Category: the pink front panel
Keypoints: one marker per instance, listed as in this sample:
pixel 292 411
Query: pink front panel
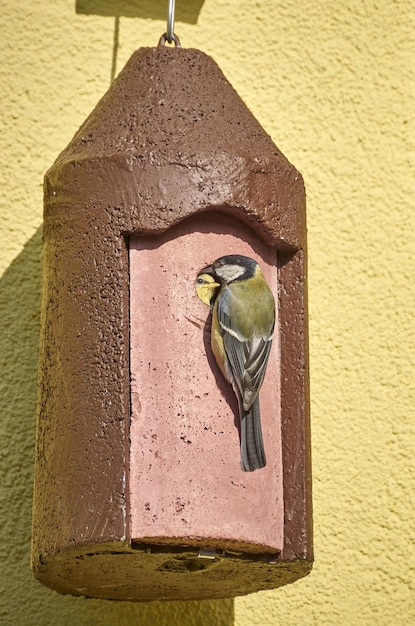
pixel 186 485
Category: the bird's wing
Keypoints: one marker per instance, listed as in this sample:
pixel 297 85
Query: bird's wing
pixel 247 358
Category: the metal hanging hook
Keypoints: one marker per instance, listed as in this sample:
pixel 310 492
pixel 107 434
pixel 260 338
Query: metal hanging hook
pixel 169 36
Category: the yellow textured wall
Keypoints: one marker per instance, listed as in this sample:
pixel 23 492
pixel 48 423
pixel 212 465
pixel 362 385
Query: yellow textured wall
pixel 333 83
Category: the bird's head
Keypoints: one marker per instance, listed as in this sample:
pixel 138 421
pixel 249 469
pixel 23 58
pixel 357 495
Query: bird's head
pixel 223 271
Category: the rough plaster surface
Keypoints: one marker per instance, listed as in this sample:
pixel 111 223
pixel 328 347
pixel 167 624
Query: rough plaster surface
pixel 334 86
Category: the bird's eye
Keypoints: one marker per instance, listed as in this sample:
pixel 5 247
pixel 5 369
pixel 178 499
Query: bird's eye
pixel 200 281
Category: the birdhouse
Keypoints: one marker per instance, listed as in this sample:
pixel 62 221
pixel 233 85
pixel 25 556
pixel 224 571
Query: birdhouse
pixel 139 493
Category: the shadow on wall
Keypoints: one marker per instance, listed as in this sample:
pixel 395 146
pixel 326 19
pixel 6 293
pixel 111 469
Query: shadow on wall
pixel 20 303
pixel 185 11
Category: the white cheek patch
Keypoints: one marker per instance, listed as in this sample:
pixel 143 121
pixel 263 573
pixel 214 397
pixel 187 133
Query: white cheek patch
pixel 230 272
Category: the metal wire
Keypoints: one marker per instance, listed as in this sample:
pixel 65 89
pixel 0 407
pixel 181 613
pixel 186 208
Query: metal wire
pixel 169 36
pixel 170 21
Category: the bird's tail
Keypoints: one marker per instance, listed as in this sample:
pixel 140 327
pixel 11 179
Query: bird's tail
pixel 252 445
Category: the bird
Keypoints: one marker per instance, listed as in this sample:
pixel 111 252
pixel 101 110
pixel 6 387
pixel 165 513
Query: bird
pixel 243 321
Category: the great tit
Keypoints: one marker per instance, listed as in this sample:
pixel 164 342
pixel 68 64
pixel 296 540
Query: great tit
pixel 243 319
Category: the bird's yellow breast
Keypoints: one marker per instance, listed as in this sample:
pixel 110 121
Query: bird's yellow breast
pixel 216 341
